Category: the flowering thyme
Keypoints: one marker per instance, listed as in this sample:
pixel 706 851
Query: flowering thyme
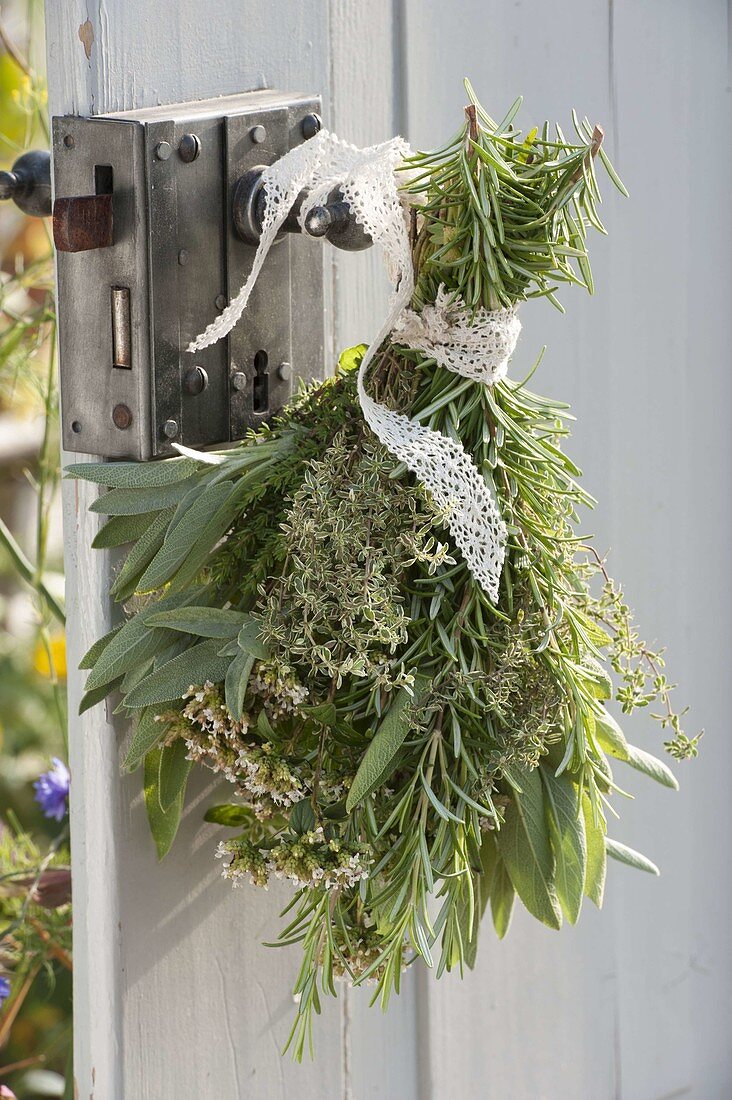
pixel 280 689
pixel 308 860
pixel 213 737
pixel 351 533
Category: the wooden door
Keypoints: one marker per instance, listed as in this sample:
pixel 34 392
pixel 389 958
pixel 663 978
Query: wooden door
pixel 174 995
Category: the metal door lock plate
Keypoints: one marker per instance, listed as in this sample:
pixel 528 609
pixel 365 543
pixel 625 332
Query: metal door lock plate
pixel 147 195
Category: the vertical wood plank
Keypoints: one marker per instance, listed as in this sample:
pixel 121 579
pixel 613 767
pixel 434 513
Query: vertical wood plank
pixel 366 60
pixel 634 1002
pixel 364 53
pixel 175 995
pixel 672 283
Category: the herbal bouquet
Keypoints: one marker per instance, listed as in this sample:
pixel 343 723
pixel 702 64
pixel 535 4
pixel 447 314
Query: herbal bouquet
pixel 375 617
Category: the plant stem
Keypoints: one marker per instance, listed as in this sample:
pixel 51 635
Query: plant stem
pixel 28 573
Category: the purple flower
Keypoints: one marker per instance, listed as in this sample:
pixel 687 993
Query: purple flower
pixel 4 989
pixel 52 790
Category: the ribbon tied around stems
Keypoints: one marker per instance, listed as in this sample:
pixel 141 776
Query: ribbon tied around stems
pixel 474 344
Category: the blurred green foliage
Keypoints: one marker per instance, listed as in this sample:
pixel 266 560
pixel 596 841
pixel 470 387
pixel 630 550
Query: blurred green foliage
pixel 34 938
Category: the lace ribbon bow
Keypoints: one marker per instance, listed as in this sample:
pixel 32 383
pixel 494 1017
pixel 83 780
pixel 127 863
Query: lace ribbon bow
pixel 476 345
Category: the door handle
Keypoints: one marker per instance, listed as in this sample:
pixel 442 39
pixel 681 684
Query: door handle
pixel 334 220
pixel 80 222
pixel 28 183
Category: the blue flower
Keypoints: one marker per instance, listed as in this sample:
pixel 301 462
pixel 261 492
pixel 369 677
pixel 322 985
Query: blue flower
pixel 4 989
pixel 52 790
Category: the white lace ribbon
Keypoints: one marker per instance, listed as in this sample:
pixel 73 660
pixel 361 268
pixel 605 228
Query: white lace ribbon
pixel 476 345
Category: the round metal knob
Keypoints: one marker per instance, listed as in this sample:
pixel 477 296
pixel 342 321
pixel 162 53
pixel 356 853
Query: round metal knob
pixel 335 222
pixel 28 184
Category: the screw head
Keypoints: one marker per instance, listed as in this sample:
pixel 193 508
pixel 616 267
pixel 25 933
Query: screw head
pixel 310 126
pixel 284 372
pixel 258 134
pixel 189 147
pixel 170 429
pixel 163 150
pixel 195 381
pixel 69 141
pixel 239 380
pixel 76 426
pixel 122 417
pixel 220 302
pixel 183 257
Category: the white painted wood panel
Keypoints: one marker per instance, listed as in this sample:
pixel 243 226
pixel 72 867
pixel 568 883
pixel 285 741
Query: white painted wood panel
pixel 635 1003
pixel 175 995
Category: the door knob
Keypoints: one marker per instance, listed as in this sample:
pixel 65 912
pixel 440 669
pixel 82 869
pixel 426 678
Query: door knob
pixel 80 222
pixel 28 183
pixel 334 220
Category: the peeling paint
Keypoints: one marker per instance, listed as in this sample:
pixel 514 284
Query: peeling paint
pixel 86 36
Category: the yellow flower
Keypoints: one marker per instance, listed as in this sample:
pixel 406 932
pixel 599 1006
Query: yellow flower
pixel 58 656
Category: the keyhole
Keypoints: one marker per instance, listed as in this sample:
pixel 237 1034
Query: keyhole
pixel 260 390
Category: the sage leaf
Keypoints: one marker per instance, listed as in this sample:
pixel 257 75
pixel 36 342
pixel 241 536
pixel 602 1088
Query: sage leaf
pixel 380 757
pixel 163 824
pixel 133 676
pixel 609 734
pixel 597 678
pixel 133 644
pixel 173 774
pixel 264 726
pixel 207 542
pixel 132 502
pixel 170 682
pixel 133 475
pixel 623 854
pixel 147 734
pixel 612 740
pixel 228 814
pixel 567 832
pixel 141 555
pixel 206 622
pixel 523 841
pixel 120 530
pixel 90 698
pixel 595 869
pixel 502 898
pixel 302 817
pixel 249 640
pixel 644 762
pixel 192 528
pixel 236 682
pixel 95 651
